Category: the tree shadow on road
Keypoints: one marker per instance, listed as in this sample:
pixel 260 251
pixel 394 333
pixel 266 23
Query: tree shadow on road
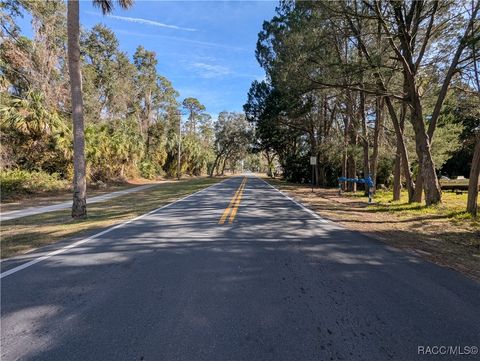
pixel 273 285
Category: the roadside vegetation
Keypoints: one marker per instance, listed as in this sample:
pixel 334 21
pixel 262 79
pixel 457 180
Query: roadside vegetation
pixel 130 118
pixel 23 234
pixel 445 233
pixel 383 88
pixel 17 182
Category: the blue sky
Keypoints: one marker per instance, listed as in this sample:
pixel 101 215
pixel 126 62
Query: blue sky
pixel 206 48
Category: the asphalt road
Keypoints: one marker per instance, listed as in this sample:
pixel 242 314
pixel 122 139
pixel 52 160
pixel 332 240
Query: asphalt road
pixel 278 283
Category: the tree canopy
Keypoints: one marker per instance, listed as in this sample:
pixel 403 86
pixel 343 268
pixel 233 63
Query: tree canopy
pixel 132 112
pixel 368 87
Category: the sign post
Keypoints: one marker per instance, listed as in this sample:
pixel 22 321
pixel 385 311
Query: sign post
pixel 313 163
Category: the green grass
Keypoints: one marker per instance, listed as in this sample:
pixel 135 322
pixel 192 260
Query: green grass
pixel 23 234
pixel 452 207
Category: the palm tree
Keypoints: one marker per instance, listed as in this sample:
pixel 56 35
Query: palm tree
pixel 79 207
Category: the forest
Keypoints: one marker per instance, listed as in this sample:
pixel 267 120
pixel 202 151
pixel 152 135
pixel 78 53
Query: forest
pixel 383 88
pixel 132 114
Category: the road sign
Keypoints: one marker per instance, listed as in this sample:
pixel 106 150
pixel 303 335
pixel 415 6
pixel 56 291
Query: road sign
pixel 313 160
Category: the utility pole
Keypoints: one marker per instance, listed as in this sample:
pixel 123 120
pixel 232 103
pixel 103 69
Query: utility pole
pixel 313 163
pixel 179 142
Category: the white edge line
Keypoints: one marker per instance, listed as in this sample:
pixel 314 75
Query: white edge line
pixel 85 240
pixel 309 211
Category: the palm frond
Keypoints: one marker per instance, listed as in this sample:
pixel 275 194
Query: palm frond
pixel 125 4
pixel 107 5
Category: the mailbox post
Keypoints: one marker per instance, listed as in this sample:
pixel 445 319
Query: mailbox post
pixel 367 181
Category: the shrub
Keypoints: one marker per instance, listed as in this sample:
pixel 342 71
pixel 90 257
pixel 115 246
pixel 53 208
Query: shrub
pixel 18 181
pixel 148 169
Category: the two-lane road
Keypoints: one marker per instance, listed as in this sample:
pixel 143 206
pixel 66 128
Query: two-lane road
pixel 269 282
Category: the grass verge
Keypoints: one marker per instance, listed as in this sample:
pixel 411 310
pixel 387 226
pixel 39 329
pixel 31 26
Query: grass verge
pixel 20 200
pixel 444 234
pixel 23 234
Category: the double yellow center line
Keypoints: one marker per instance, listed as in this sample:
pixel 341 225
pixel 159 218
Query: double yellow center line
pixel 234 203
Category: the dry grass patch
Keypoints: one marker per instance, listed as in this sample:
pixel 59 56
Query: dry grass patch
pixel 14 202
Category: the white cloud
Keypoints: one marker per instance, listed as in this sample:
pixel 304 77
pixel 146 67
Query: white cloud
pixel 205 70
pixel 190 41
pixel 214 99
pixel 146 22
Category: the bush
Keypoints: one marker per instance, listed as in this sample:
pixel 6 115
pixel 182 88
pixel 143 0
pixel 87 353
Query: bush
pixel 148 169
pixel 18 181
pixel 296 168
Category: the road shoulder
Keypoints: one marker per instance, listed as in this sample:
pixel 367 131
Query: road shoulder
pixel 435 238
pixel 25 234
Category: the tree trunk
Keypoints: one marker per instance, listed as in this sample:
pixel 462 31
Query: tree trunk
pixel 418 194
pixel 351 162
pixel 352 173
pixel 219 164
pixel 79 207
pixel 433 194
pixel 122 171
pixel 377 140
pixel 345 152
pixel 443 91
pixel 344 167
pixel 214 165
pixel 270 171
pixel 321 171
pixel 431 186
pixel 397 175
pixel 474 179
pixel 353 139
pixel 398 126
pixel 366 155
pixel 224 165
